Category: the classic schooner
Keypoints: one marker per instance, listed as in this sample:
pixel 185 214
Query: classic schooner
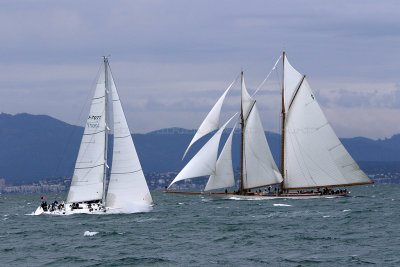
pixel 312 156
pixel 127 188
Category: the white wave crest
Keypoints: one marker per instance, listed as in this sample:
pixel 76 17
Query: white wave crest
pixel 282 205
pixel 88 233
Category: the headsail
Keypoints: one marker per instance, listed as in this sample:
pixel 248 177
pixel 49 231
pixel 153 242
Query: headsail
pixel 127 185
pixel 211 122
pixel 314 155
pixel 223 176
pixel 204 162
pixel 87 180
pixel 259 166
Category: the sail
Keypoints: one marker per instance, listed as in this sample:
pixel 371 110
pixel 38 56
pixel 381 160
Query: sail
pixel 211 122
pixel 292 79
pixel 204 162
pixel 314 155
pixel 223 176
pixel 260 167
pixel 247 101
pixel 127 187
pixel 87 180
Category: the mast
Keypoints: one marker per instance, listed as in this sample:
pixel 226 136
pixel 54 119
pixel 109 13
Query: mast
pixel 106 132
pixel 283 123
pixel 242 139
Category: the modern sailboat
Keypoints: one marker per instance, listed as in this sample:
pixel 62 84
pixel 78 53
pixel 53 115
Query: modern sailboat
pixel 313 160
pixel 127 188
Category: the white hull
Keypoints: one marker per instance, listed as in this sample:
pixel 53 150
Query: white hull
pixel 261 197
pixel 84 208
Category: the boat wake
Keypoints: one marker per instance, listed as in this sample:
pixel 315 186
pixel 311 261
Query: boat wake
pixel 129 210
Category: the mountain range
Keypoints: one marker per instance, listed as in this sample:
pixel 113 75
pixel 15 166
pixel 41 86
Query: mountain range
pixel 37 147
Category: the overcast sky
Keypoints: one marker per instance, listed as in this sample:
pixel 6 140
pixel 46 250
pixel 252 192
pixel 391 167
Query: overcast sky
pixel 173 59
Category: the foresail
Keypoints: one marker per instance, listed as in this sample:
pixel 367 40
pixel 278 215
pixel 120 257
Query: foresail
pixel 223 177
pixel 87 180
pixel 204 162
pixel 315 157
pixel 211 122
pixel 127 188
pixel 260 168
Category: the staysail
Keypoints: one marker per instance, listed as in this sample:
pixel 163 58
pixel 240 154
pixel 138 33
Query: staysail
pixel 127 185
pixel 259 166
pixel 314 155
pixel 211 122
pixel 87 180
pixel 204 162
pixel 224 176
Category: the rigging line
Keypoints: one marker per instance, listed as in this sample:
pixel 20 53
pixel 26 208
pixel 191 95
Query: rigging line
pixel 77 122
pixel 263 82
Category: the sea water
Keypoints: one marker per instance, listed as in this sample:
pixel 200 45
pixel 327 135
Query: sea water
pixel 198 230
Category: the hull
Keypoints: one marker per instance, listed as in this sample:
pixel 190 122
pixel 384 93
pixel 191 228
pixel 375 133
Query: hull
pixel 69 208
pixel 264 195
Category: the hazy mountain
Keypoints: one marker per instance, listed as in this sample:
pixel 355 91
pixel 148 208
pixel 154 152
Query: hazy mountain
pixel 33 147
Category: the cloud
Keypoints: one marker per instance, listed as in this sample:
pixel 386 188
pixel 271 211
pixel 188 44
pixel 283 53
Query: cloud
pixel 173 59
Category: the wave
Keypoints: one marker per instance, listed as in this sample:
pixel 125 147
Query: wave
pixel 88 233
pixel 282 205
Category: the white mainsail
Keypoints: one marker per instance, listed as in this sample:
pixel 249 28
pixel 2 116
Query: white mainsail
pixel 314 155
pixel 211 122
pixel 223 176
pixel 204 162
pixel 127 187
pixel 259 166
pixel 87 180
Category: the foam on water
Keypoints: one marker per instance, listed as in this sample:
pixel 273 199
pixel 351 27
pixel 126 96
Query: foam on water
pixel 88 233
pixel 282 205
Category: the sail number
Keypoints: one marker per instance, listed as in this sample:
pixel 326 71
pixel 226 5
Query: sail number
pixel 92 117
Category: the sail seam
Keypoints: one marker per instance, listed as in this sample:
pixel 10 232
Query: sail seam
pixel 126 172
pixel 122 136
pixel 94 98
pixel 94 133
pixel 89 167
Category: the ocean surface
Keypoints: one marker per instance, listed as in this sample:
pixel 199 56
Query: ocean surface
pixel 197 230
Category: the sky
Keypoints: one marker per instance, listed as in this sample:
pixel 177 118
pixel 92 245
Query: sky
pixel 172 59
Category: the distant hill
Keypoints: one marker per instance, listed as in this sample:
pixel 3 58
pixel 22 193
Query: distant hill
pixel 34 147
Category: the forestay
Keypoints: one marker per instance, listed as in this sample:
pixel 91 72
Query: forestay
pixel 211 122
pixel 87 180
pixel 314 155
pixel 127 187
pixel 204 162
pixel 259 166
pixel 223 176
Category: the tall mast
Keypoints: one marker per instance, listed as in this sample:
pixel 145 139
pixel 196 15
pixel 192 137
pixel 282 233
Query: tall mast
pixel 242 138
pixel 283 123
pixel 106 132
